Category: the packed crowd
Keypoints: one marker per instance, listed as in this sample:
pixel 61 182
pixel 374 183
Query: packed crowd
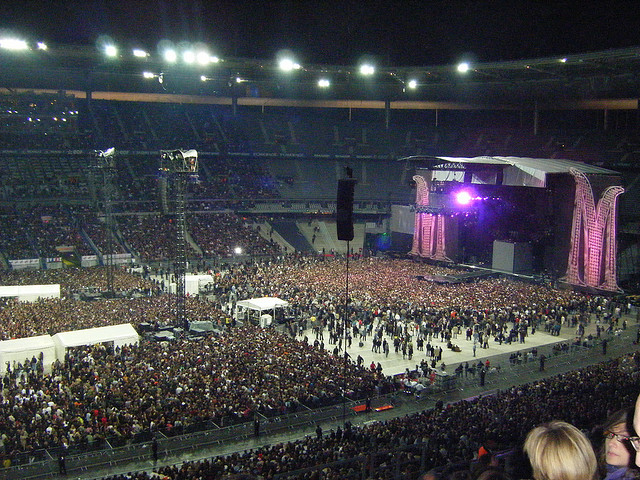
pixel 389 290
pixel 100 393
pixel 82 280
pixel 155 386
pixel 95 227
pixel 219 234
pixel 15 241
pixel 150 236
pixel 41 231
pixel 50 316
pixel 451 435
pixel 53 227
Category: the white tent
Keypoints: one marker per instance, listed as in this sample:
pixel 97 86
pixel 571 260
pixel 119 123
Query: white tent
pixel 30 293
pixel 119 335
pixel 21 348
pixel 259 305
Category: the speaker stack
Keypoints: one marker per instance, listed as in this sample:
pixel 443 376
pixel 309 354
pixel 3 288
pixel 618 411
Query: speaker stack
pixel 344 209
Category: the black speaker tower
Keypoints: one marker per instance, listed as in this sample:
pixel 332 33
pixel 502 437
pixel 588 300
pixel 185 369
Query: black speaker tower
pixel 344 209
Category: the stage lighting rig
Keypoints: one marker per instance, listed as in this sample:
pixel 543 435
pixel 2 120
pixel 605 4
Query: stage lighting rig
pixel 179 161
pixel 104 168
pixel 107 156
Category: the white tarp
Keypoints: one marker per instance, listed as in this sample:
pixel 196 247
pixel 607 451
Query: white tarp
pixel 120 335
pixel 20 349
pixel 30 293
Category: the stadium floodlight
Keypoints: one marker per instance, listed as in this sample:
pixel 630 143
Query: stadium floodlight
pixel 367 69
pixel 286 64
pixel 324 83
pixel 214 59
pixel 203 78
pixel 188 57
pixel 13 44
pixel 463 67
pixel 111 51
pixel 148 74
pixel 42 46
pixel 412 84
pixel 170 55
pixel 139 53
pixel 237 250
pixel 203 58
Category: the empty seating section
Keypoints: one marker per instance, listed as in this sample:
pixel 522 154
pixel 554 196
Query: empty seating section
pixel 58 122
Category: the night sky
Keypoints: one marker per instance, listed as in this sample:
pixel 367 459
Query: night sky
pixel 396 33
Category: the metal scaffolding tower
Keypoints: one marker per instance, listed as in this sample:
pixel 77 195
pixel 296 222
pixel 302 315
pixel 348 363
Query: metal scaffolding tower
pixel 104 162
pixel 178 165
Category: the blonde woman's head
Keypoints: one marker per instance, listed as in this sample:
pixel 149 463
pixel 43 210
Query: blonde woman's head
pixel 559 451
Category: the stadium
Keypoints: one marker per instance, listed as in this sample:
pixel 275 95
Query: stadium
pixel 218 266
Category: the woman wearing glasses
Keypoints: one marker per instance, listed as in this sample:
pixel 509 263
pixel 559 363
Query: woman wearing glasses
pixel 616 460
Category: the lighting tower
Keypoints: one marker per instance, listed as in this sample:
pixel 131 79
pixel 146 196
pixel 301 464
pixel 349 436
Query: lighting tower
pixel 104 161
pixel 180 164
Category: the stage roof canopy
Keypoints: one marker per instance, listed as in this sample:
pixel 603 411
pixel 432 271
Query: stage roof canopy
pixel 510 171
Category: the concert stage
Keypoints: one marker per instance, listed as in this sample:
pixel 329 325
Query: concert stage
pixel 519 215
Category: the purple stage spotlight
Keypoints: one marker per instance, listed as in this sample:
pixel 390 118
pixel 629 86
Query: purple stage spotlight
pixel 463 197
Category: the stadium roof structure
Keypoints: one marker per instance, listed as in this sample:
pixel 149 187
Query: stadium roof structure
pixel 610 74
pixel 509 171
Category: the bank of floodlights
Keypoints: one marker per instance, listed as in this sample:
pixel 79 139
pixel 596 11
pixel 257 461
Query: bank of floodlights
pixel 14 44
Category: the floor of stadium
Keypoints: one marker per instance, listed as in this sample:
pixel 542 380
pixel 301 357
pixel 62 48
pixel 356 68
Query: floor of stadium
pixel 507 375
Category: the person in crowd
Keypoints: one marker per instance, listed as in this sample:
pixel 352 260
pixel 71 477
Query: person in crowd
pixel 615 459
pixel 559 451
pixel 636 426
